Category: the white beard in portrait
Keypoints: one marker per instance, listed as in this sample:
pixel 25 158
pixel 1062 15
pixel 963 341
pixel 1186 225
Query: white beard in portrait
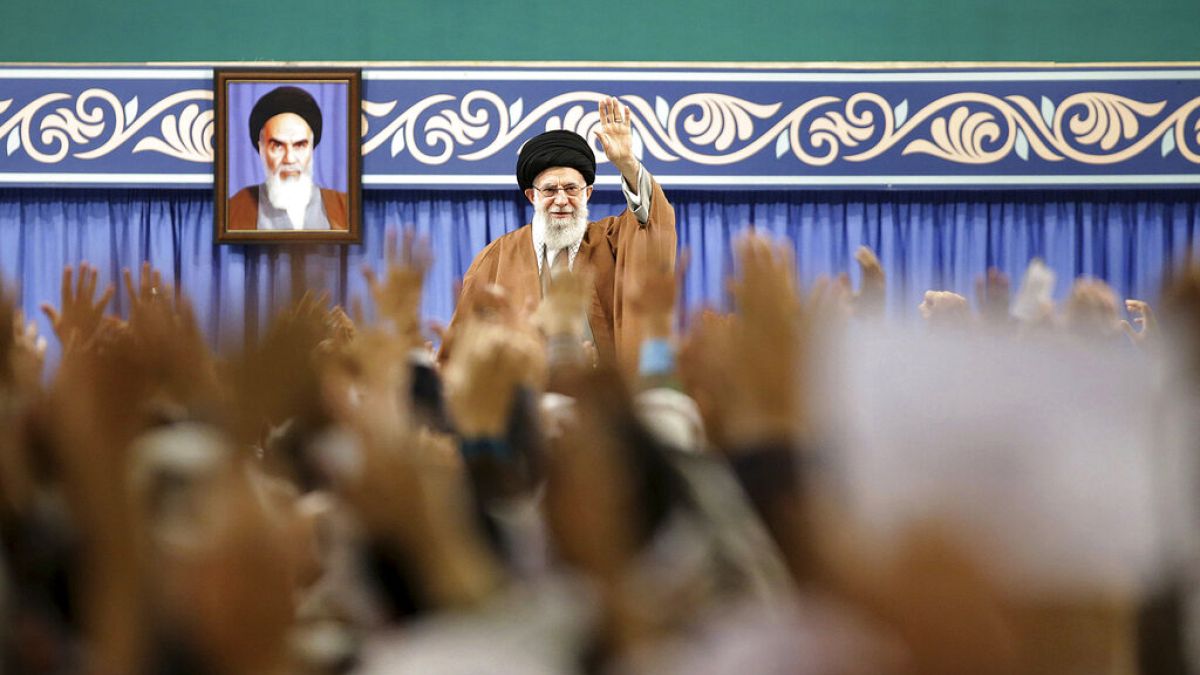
pixel 290 193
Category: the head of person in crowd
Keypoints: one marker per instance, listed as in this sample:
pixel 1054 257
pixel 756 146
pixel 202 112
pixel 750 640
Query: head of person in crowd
pixel 556 171
pixel 285 127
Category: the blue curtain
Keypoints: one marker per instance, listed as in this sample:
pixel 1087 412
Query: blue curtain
pixel 925 240
pixel 946 239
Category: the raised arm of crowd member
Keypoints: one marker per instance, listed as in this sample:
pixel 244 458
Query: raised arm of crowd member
pixel 397 299
pixel 706 371
pixel 22 354
pixel 561 318
pixel 872 294
pixel 150 288
pixel 96 414
pixel 1146 332
pixel 759 357
pixel 493 383
pixel 163 324
pixel 1090 312
pixel 652 301
pixel 945 310
pixel 103 400
pixel 993 297
pixel 398 296
pixel 27 356
pixel 768 344
pixel 408 488
pixel 555 171
pixel 79 315
pixel 482 379
pixel 610 493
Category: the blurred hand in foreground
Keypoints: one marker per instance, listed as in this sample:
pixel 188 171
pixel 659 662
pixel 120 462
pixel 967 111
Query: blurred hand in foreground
pixel 993 296
pixel 945 309
pixel 398 296
pixel 872 295
pixel 767 346
pixel 1091 310
pixel 656 288
pixel 1146 332
pixel 79 314
pixel 489 364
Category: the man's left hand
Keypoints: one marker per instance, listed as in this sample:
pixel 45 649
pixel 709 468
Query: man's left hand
pixel 616 135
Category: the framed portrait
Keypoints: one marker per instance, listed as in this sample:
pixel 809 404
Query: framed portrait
pixel 288 155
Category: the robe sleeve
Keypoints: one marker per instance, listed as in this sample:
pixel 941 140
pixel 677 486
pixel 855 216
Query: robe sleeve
pixel 637 204
pixel 627 233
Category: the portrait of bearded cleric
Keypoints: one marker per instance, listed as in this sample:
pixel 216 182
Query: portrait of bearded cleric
pixel 288 168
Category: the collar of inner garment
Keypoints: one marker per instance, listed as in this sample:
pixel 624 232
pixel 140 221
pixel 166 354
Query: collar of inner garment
pixel 544 254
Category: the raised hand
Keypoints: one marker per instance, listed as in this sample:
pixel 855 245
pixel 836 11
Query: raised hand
pixel 870 298
pixel 28 354
pixel 232 587
pixel 167 339
pixel 706 370
pixel 563 309
pixel 20 369
pixel 767 341
pixel 398 296
pixel 945 309
pixel 992 294
pixel 98 408
pixel 1091 309
pixel 342 328
pixel 411 493
pixel 150 289
pixel 830 301
pixel 589 495
pixel 78 316
pixel 489 364
pixel 616 137
pixel 655 287
pixel 1146 332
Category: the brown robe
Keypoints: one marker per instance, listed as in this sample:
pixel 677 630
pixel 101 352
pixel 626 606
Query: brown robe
pixel 607 250
pixel 243 209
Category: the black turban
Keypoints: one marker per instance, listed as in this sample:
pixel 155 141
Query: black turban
pixel 552 149
pixel 285 100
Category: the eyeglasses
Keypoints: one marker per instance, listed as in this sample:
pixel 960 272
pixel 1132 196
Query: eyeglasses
pixel 553 190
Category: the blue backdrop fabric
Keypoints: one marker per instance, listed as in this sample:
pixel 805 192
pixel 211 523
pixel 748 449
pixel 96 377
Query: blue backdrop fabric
pixel 940 240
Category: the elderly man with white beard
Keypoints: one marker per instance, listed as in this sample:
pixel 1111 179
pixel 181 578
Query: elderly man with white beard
pixel 556 170
pixel 285 128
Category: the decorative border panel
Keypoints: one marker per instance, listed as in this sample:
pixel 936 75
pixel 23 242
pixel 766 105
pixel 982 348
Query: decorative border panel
pixel 744 127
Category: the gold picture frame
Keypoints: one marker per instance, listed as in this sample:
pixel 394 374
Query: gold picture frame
pixel 274 184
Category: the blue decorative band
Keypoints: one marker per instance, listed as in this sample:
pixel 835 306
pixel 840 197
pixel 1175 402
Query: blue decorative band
pixel 746 127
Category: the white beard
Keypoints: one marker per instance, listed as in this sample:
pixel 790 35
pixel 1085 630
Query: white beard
pixel 560 231
pixel 290 194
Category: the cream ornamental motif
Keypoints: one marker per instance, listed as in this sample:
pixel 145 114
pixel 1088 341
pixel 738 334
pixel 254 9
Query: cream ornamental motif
pixel 49 128
pixel 715 129
pixel 710 129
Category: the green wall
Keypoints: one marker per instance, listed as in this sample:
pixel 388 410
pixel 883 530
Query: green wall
pixel 673 30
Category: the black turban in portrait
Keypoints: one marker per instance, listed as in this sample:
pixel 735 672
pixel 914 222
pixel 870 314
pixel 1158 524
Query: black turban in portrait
pixel 285 100
pixel 555 148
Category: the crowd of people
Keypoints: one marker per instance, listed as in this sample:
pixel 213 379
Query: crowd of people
pixel 334 498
